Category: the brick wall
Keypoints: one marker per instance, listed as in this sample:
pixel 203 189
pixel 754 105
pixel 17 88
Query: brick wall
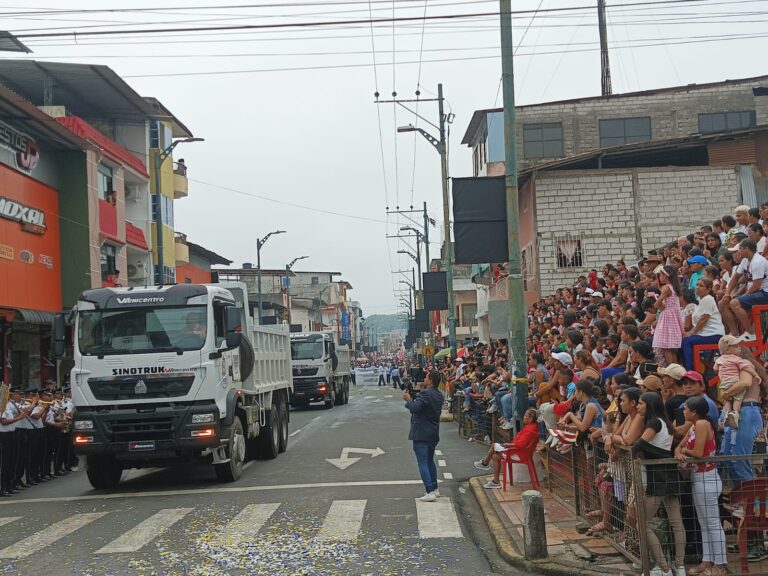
pixel 621 214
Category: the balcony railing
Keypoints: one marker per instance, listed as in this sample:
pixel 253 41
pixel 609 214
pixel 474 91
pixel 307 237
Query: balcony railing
pixel 182 250
pixel 180 182
pixel 108 219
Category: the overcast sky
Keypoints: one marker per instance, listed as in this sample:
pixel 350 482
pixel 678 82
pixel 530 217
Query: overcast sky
pixel 288 148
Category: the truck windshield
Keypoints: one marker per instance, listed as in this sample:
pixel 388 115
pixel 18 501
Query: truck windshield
pixel 303 350
pixel 141 330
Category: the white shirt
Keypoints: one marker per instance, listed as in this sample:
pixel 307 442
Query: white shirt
pixel 37 423
pixel 757 269
pixel 24 423
pixel 761 244
pixel 714 326
pixel 9 413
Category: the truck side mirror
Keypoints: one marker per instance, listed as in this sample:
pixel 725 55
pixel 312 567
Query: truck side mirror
pixel 331 348
pixel 59 336
pixel 233 326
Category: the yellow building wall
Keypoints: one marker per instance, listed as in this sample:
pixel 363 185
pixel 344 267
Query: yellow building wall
pixel 166 189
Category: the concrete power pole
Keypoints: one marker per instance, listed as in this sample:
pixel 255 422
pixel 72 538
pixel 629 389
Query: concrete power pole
pixel 517 310
pixel 605 65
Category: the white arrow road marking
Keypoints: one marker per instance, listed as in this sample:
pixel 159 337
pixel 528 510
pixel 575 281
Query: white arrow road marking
pixel 344 461
pixel 343 520
pixel 49 535
pixel 146 531
pixel 437 519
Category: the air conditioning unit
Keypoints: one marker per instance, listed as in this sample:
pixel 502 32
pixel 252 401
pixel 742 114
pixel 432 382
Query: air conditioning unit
pixel 137 272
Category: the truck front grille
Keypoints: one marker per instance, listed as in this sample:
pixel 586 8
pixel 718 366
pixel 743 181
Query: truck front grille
pixel 305 385
pixel 140 388
pixel 129 430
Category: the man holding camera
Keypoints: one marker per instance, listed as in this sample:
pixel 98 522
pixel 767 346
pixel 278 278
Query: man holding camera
pixel 425 406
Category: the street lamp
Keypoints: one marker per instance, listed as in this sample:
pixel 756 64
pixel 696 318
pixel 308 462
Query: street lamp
pixel 259 244
pixel 288 283
pixel 160 157
pixel 440 146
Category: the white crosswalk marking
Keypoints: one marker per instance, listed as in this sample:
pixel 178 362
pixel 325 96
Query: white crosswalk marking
pixel 343 520
pixel 144 532
pixel 49 535
pixel 8 519
pixel 249 521
pixel 438 519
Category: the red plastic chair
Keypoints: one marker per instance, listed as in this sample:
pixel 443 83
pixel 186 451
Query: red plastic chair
pixel 752 495
pixel 517 456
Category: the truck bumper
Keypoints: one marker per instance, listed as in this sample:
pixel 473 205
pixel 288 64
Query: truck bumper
pixel 146 433
pixel 309 390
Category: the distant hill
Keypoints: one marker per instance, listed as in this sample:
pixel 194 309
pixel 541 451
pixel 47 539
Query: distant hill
pixel 384 323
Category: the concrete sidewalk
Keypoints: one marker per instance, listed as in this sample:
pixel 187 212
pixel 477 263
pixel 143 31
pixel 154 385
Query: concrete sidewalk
pixel 569 551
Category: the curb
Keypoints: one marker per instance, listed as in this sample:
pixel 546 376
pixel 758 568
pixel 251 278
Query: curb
pixel 509 551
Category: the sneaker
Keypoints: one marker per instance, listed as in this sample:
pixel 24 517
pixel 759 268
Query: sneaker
pixel 747 337
pixel 756 553
pixel 492 409
pixel 491 485
pixel 657 571
pixel 480 466
pixel 428 497
pixel 507 425
pixel 732 419
pixel 679 571
pixel 436 492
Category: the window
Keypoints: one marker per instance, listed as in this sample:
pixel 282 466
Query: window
pixel 219 313
pixel 543 140
pixel 160 136
pixel 315 281
pixel 169 276
pixel 469 315
pixel 722 121
pixel 527 267
pixel 108 261
pixel 617 131
pixel 569 252
pixel 167 204
pixel 106 189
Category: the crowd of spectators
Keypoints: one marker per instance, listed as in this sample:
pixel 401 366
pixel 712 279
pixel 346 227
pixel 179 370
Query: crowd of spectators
pixel 611 361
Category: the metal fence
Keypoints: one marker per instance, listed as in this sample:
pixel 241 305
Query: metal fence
pixel 698 515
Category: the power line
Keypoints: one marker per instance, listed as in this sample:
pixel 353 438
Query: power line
pixel 285 203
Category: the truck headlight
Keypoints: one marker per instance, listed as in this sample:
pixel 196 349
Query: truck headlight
pixel 83 424
pixel 202 418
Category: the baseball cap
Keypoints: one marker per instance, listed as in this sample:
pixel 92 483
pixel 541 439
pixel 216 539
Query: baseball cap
pixel 673 371
pixel 693 375
pixel 653 383
pixel 734 248
pixel 597 295
pixel 563 358
pixel 726 342
pixel 698 260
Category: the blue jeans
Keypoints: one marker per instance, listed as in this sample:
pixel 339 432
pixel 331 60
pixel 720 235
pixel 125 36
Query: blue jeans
pixel 425 458
pixel 508 406
pixel 750 424
pixel 695 340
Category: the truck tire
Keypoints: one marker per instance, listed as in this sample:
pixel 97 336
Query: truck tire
pixel 268 441
pixel 340 394
pixel 235 450
pixel 283 441
pixel 246 359
pixel 330 399
pixel 346 390
pixel 103 472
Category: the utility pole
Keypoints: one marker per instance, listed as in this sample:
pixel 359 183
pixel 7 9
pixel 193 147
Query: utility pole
pixel 605 65
pixel 447 214
pixel 516 309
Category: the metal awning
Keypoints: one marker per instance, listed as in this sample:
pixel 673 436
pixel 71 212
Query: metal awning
pixel 37 317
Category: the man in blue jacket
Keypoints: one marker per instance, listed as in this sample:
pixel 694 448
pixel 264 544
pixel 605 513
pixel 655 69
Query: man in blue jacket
pixel 425 411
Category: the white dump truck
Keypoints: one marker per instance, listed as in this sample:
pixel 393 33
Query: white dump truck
pixel 320 369
pixel 171 374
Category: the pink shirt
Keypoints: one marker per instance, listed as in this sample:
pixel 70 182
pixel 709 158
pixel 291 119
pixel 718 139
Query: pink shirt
pixel 728 366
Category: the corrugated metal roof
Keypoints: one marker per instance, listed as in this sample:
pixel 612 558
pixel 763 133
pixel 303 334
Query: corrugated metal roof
pixel 37 317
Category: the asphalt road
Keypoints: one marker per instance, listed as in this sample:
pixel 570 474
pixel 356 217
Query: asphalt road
pixel 296 515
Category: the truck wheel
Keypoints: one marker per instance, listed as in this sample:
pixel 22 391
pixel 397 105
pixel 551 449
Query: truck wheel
pixel 340 395
pixel 269 435
pixel 235 450
pixel 346 391
pixel 330 400
pixel 103 472
pixel 283 442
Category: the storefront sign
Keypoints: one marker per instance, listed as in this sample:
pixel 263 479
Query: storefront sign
pixel 31 220
pixel 6 252
pixel 24 147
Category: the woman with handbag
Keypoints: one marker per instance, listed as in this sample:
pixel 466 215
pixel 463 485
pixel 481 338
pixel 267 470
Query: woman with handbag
pixel 699 442
pixel 662 482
